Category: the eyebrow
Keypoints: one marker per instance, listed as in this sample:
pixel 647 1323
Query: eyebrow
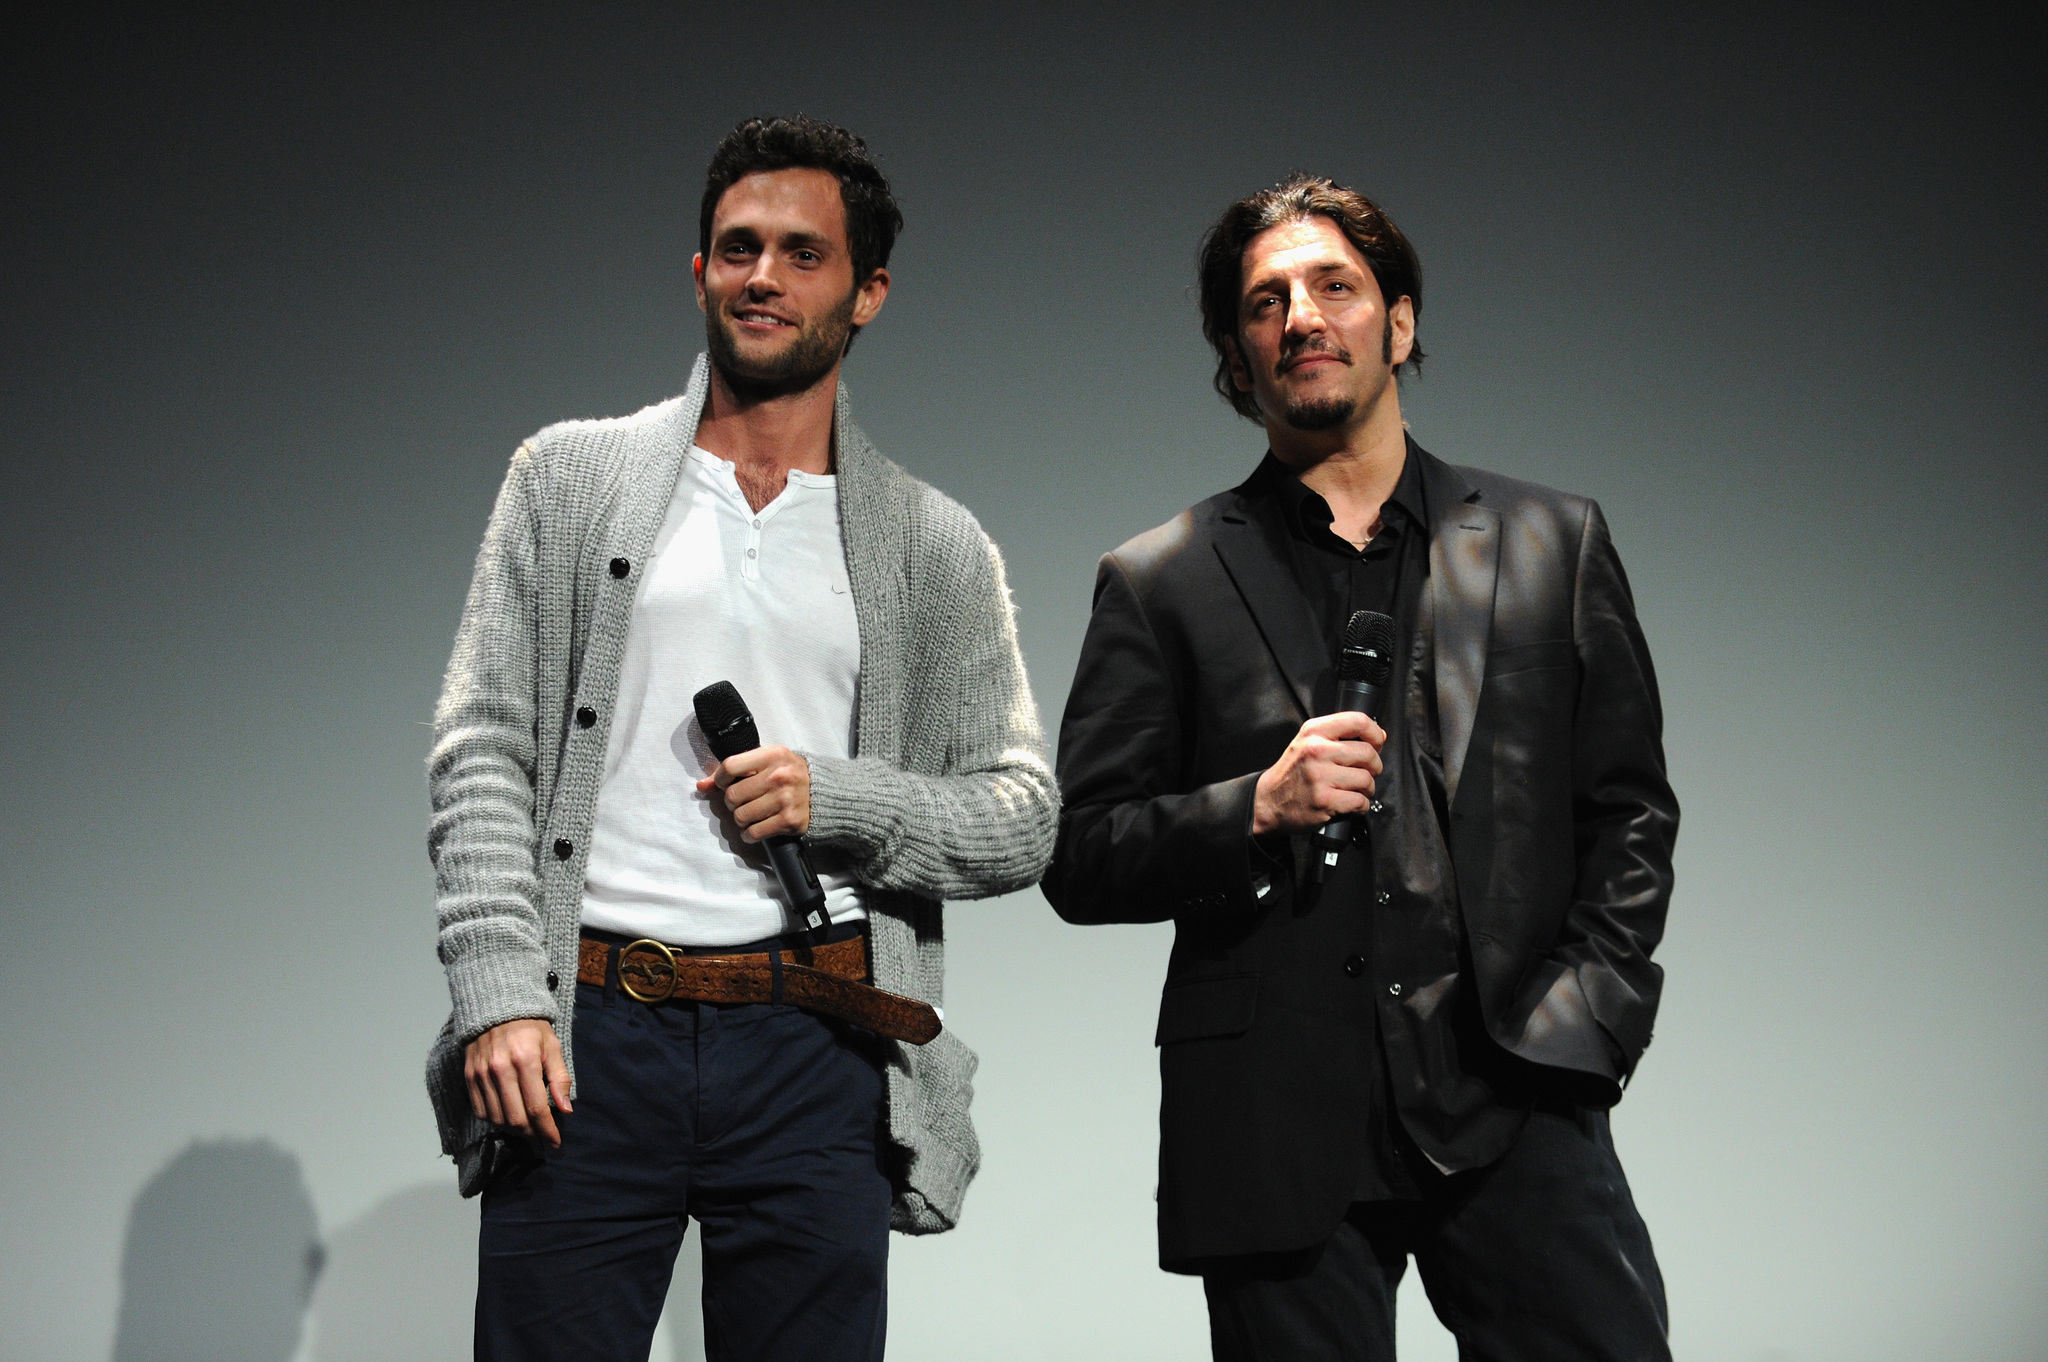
pixel 1266 281
pixel 741 231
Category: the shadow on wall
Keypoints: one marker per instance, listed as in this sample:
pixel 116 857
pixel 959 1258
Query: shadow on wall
pixel 400 1285
pixel 223 1256
pixel 400 1281
pixel 222 1252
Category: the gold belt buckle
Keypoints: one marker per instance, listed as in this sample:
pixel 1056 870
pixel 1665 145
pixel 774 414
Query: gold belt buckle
pixel 647 970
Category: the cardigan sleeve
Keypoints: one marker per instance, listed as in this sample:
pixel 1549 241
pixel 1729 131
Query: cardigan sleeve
pixel 480 779
pixel 984 825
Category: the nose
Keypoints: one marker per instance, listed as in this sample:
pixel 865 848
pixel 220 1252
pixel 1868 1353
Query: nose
pixel 1304 318
pixel 762 281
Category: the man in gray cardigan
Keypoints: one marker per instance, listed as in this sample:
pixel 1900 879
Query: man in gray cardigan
pixel 611 931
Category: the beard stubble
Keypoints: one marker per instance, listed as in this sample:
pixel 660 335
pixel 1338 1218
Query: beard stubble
pixel 816 347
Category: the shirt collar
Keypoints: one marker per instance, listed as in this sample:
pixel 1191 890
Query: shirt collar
pixel 1308 515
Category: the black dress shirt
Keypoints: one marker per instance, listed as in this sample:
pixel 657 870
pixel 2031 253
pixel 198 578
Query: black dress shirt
pixel 1337 578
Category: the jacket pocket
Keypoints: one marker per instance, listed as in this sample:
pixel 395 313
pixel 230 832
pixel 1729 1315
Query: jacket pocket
pixel 1216 1005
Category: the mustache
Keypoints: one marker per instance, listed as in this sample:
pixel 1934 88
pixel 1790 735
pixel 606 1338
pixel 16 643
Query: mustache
pixel 1293 355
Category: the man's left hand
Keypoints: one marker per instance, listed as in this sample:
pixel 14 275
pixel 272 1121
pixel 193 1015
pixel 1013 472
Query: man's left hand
pixel 768 790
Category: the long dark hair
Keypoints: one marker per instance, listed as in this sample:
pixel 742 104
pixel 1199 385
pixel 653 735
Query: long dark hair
pixel 1220 265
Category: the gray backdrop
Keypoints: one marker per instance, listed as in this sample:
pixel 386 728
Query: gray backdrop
pixel 283 294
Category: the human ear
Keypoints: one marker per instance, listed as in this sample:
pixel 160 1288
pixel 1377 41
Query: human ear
pixel 1401 321
pixel 870 296
pixel 1240 375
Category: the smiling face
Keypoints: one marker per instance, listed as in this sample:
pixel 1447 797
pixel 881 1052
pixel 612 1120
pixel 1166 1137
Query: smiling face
pixel 777 290
pixel 1316 343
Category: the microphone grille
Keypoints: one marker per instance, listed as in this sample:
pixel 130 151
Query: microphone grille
pixel 727 722
pixel 1368 653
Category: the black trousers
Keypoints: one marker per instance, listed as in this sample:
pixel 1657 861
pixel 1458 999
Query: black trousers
pixel 761 1123
pixel 1540 1257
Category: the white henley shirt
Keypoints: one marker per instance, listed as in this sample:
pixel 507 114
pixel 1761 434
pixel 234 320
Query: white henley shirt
pixel 757 598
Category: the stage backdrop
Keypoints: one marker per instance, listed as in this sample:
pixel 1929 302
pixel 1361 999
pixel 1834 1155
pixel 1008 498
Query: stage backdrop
pixel 282 295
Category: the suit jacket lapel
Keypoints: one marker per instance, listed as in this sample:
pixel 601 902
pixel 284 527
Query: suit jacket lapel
pixel 1252 543
pixel 1464 565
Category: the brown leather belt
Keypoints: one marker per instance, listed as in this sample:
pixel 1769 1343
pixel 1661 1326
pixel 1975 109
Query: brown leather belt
pixel 830 980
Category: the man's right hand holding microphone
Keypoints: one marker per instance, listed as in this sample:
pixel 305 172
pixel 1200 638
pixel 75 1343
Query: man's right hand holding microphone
pixel 1326 772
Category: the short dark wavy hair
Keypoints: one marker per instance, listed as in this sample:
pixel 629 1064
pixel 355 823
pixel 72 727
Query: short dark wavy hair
pixel 1220 264
pixel 801 143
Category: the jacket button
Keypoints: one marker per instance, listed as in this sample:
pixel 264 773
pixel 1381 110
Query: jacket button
pixel 1355 966
pixel 554 981
pixel 564 848
pixel 620 567
pixel 1383 896
pixel 1394 989
pixel 1378 807
pixel 585 716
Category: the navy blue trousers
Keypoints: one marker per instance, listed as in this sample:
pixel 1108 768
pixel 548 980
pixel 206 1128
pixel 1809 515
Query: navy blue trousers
pixel 761 1123
pixel 1539 1257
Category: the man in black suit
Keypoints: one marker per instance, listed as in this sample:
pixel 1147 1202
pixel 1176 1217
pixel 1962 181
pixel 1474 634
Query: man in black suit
pixel 1414 1052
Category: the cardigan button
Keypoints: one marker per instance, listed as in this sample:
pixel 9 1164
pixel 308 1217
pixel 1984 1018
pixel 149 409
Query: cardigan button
pixel 564 848
pixel 585 716
pixel 620 567
pixel 554 981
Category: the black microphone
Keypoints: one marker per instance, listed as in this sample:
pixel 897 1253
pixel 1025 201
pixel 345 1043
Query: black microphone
pixel 729 727
pixel 1363 665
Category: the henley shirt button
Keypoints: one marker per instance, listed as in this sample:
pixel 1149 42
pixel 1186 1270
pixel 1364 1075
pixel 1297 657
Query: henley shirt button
pixel 752 553
pixel 554 981
pixel 620 567
pixel 1355 966
pixel 1394 989
pixel 585 716
pixel 564 848
pixel 1383 896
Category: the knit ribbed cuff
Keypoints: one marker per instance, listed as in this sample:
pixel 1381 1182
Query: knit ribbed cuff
pixel 848 811
pixel 500 986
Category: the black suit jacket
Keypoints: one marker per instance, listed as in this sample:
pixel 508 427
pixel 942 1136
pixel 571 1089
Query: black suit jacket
pixel 1528 685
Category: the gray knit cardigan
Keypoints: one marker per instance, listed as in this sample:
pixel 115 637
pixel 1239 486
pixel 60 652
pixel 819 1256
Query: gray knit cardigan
pixel 948 793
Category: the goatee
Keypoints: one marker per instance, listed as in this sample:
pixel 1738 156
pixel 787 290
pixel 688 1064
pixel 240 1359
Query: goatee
pixel 1319 413
pixel 1316 413
pixel 806 359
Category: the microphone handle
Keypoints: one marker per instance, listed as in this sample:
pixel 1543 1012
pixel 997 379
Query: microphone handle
pixel 1362 696
pixel 799 882
pixel 1328 841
